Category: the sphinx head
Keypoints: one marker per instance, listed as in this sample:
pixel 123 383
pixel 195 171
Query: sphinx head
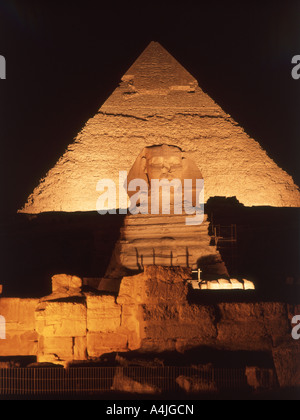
pixel 163 162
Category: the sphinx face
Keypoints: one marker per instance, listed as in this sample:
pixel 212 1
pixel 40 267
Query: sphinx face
pixel 164 162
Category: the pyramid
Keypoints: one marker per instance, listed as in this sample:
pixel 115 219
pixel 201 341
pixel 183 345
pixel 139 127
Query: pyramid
pixel 159 102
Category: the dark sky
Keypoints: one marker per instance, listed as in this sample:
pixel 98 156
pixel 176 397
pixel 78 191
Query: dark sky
pixel 64 58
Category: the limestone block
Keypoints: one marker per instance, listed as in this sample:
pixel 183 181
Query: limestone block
pixel 248 285
pixel 213 285
pixel 18 313
pixel 19 343
pixel 166 284
pixel 259 379
pixel 202 320
pixel 80 348
pixel 241 327
pixel 195 384
pixel 55 349
pixel 156 284
pixel 132 290
pixel 131 324
pixel 20 335
pixel 276 322
pixel 191 326
pixel 158 345
pixel 184 332
pixel 160 106
pixel 103 313
pixel 287 363
pixel 61 319
pixel 132 315
pixel 65 281
pixel 100 343
pixel 161 313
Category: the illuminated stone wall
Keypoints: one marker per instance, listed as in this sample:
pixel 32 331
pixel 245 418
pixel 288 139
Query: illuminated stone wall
pixel 151 313
pixel 159 102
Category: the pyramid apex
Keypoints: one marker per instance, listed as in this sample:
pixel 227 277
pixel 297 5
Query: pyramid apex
pixel 156 67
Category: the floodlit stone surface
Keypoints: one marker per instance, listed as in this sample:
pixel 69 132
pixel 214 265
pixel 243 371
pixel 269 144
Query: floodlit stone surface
pixel 61 319
pixel 158 102
pixel 151 314
pixel 21 337
pixel 55 349
pixel 237 285
pixel 103 314
pixel 65 282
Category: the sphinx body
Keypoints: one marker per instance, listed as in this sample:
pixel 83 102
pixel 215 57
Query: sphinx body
pixel 163 238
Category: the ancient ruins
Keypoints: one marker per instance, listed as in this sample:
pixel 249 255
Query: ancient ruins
pixel 158 124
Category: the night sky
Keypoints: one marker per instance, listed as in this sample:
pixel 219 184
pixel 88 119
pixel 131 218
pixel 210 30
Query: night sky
pixel 64 58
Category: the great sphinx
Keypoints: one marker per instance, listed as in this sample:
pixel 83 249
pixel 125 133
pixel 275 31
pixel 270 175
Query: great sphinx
pixel 171 235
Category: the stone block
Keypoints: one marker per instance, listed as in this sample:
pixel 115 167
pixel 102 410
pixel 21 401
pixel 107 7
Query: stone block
pixel 100 343
pixel 241 327
pixel 248 285
pixel 103 313
pixel 80 348
pixel 55 349
pixel 61 319
pixel 19 325
pixel 65 282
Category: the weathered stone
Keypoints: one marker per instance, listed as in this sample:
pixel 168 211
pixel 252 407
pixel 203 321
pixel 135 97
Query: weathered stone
pixel 259 379
pixel 287 363
pixel 241 327
pixel 65 282
pixel 55 350
pixel 80 348
pixel 103 313
pixel 131 325
pixel 19 343
pixel 148 317
pixel 61 319
pixel 276 322
pixel 194 384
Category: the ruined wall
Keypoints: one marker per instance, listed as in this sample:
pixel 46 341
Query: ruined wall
pixel 159 102
pixel 21 336
pixel 150 314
